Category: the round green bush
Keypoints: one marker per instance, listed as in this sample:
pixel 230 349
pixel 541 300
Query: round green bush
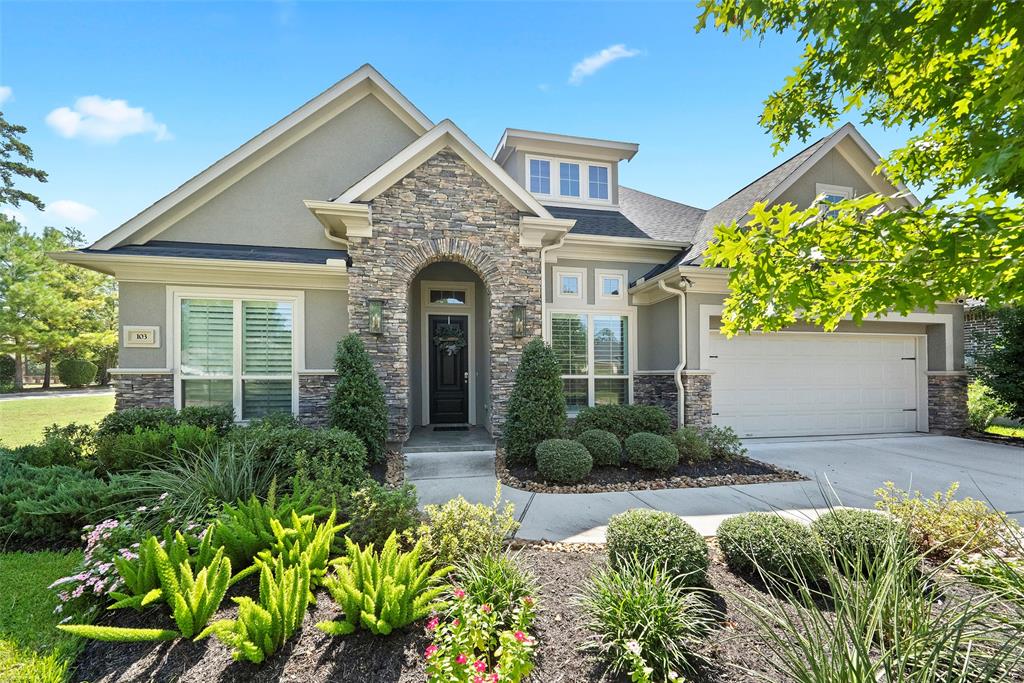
pixel 660 538
pixel 851 534
pixel 563 461
pixel 622 421
pixel 651 452
pixel 604 447
pixel 765 543
pixel 536 409
pixel 76 373
pixel 692 445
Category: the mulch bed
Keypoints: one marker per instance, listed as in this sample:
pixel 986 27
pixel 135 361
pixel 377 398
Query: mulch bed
pixel 631 478
pixel 994 438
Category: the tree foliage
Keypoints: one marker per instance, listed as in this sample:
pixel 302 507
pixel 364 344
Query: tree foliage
pixel 1001 365
pixel 953 72
pixel 15 156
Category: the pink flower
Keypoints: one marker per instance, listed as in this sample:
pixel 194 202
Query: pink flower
pixel 478 679
pixel 480 666
pixel 430 651
pixel 432 624
pixel 494 678
pixel 527 601
pixel 455 622
pixel 461 659
pixel 459 593
pixel 486 609
pixel 520 636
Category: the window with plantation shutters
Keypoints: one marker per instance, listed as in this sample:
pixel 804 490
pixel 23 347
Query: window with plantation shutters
pixel 593 356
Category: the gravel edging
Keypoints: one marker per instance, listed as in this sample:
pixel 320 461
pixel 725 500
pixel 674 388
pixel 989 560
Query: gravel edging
pixel 394 468
pixel 653 484
pixel 993 438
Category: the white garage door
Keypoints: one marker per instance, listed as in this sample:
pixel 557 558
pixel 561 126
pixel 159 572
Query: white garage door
pixel 813 384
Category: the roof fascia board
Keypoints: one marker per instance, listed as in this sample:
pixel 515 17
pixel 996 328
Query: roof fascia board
pixel 444 134
pixel 627 241
pixel 521 139
pixel 876 160
pixel 193 193
pixel 619 249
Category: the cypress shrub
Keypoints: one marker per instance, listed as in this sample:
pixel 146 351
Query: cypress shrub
pixel 358 405
pixel 536 409
pixel 76 373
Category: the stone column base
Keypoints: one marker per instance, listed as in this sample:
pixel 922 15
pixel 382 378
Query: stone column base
pixel 314 394
pixel 947 402
pixel 697 399
pixel 143 390
pixel 658 390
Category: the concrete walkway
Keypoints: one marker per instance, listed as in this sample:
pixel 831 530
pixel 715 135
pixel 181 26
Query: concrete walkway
pixel 842 472
pixel 58 393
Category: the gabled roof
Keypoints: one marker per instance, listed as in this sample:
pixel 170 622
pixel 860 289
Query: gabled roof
pixel 776 181
pixel 444 135
pixel 660 218
pixel 362 82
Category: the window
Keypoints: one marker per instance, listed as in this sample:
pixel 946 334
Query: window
pixel 569 179
pixel 453 297
pixel 830 194
pixel 598 182
pixel 570 284
pixel 611 286
pixel 237 352
pixel 540 176
pixel 593 356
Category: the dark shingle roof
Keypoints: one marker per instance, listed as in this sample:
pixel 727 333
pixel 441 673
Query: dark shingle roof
pixel 661 219
pixel 237 252
pixel 607 223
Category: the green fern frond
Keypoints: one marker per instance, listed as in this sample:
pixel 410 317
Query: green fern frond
pixel 116 634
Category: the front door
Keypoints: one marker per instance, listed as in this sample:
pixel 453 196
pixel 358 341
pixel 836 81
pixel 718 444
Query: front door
pixel 449 369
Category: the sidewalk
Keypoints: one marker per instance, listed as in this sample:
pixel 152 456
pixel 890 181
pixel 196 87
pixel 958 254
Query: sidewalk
pixel 58 393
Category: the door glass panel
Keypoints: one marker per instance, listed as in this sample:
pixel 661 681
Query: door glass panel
pixel 447 296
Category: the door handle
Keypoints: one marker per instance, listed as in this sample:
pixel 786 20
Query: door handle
pixel 465 375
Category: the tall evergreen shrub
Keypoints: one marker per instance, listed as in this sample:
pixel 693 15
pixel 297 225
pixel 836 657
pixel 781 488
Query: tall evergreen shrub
pixel 358 403
pixel 536 410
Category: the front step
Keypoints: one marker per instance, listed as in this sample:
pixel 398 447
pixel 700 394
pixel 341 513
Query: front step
pixel 449 464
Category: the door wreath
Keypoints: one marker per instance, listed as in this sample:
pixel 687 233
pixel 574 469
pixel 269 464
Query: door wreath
pixel 450 338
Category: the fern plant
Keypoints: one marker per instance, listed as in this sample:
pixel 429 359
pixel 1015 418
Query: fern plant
pixel 382 591
pixel 303 542
pixel 192 599
pixel 262 628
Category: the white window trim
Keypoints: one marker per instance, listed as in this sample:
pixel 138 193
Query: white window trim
pixel 556 180
pixel 599 295
pixel 236 295
pixel 529 177
pixel 580 274
pixel 631 351
pixel 427 309
pixel 841 190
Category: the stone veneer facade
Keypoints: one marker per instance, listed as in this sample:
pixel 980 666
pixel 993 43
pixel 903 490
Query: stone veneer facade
pixel 314 393
pixel 697 399
pixel 658 390
pixel 143 390
pixel 947 402
pixel 442 211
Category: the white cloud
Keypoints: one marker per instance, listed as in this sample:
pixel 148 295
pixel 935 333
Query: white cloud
pixel 69 210
pixel 5 93
pixel 595 62
pixel 98 119
pixel 13 215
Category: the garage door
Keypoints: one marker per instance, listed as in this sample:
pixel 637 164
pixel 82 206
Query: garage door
pixel 813 384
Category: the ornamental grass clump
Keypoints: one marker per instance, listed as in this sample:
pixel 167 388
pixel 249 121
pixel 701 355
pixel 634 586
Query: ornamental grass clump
pixel 649 623
pixel 498 580
pixel 769 546
pixel 658 538
pixel 604 447
pixel 563 461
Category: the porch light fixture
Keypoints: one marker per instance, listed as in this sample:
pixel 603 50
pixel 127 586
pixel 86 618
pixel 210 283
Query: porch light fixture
pixel 375 313
pixel 519 321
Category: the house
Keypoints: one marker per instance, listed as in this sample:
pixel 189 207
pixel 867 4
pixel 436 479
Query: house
pixel 356 213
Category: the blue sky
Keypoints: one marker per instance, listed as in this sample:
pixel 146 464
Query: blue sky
pixel 126 101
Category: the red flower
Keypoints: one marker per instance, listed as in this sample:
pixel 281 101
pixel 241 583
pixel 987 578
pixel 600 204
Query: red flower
pixel 430 651
pixel 432 624
pixel 461 659
pixel 486 609
pixel 520 636
pixel 480 666
pixel 459 593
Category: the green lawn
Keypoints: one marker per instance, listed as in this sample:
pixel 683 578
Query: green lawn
pixel 22 420
pixel 31 649
pixel 1006 431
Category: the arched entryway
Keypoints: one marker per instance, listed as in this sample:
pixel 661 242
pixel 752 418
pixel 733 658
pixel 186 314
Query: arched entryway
pixel 449 347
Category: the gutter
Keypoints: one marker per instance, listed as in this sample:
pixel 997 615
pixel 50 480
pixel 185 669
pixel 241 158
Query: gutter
pixel 544 281
pixel 678 374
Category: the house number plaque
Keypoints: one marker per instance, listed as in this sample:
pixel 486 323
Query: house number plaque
pixel 136 335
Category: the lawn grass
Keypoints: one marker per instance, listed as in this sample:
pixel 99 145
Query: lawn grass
pixel 31 649
pixel 1003 430
pixel 22 420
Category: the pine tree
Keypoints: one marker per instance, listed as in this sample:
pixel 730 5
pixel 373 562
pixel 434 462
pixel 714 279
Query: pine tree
pixel 536 410
pixel 358 403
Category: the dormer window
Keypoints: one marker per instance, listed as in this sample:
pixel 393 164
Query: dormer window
pixel 540 176
pixel 569 179
pixel 576 181
pixel 598 182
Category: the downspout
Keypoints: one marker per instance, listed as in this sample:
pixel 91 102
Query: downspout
pixel 544 281
pixel 682 345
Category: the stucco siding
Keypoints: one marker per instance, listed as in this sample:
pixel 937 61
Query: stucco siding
pixel 658 332
pixel 832 169
pixel 142 303
pixel 326 323
pixel 635 270
pixel 265 207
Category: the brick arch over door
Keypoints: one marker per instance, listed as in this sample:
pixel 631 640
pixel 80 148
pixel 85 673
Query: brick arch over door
pixel 442 211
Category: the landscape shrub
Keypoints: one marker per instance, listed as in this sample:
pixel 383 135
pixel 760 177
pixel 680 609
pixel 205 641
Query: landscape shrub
pixel 536 409
pixel 187 440
pixel 374 511
pixel 651 452
pixel 136 450
pixel 129 420
pixel 623 420
pixel 983 406
pixel 944 526
pixel 357 404
pixel 725 443
pixel 692 445
pixel 7 369
pixel 643 616
pixel 70 445
pixel 263 627
pixel 458 530
pixel 382 591
pixel 218 418
pixel 1000 362
pixel 563 461
pixel 332 459
pixel 604 447
pixel 74 372
pixel 498 580
pixel 770 546
pixel 660 538
pixel 860 535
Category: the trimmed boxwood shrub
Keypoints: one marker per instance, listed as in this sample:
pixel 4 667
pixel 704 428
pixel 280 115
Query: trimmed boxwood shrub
pixel 623 421
pixel 128 420
pixel 536 409
pixel 604 447
pixel 660 538
pixel 651 452
pixel 218 418
pixel 763 541
pixel 693 447
pixel 74 372
pixel 332 460
pixel 358 405
pixel 564 461
pixel 849 534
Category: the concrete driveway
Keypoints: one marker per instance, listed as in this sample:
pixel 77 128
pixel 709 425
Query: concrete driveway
pixel 842 471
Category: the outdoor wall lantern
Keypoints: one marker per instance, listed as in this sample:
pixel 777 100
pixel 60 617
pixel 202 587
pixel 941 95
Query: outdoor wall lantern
pixel 375 311
pixel 519 321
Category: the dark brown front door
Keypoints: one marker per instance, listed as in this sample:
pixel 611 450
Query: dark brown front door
pixel 449 369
